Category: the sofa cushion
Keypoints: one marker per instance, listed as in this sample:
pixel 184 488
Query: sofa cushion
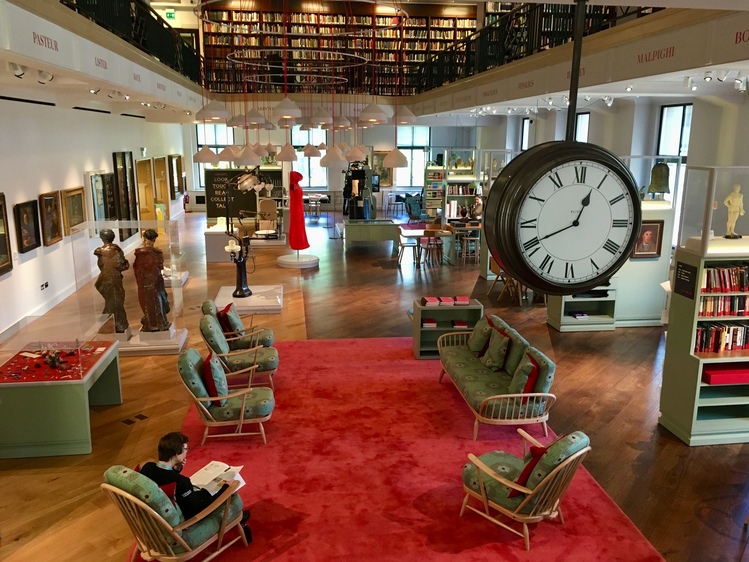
pixel 267 360
pixel 496 353
pixel 197 534
pixel 503 463
pixel 266 337
pixel 525 375
pixel 518 345
pixel 259 403
pixel 190 367
pixel 214 379
pixel 146 490
pixel 213 335
pixel 558 451
pixel 480 335
pixel 208 308
pixel 476 389
pixel 531 461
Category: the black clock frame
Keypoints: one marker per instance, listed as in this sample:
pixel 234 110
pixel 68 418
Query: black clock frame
pixel 509 190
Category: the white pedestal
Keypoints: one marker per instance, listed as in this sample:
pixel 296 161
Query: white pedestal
pixel 168 342
pixel 265 242
pixel 266 299
pixel 176 279
pixel 215 242
pixel 298 261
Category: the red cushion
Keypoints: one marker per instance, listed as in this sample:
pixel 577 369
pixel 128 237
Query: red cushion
pixel 223 319
pixel 530 384
pixel 536 454
pixel 208 381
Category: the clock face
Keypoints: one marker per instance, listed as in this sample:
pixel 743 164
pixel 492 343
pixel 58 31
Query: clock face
pixel 575 222
pixel 563 217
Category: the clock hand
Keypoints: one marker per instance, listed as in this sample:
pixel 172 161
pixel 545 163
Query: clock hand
pixel 558 231
pixel 585 203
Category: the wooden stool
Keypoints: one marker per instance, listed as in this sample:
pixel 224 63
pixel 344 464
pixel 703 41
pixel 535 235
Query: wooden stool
pixel 471 246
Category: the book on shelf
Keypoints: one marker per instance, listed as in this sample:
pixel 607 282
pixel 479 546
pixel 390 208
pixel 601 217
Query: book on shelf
pixel 428 323
pixel 430 301
pixel 462 301
pixel 213 475
pixel 460 324
pixel 578 314
pixel 447 301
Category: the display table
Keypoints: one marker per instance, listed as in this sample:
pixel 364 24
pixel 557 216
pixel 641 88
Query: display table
pixel 216 240
pixel 45 411
pixel 363 230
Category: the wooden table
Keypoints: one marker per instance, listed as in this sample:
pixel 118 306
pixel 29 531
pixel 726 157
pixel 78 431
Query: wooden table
pixel 46 418
pixel 419 233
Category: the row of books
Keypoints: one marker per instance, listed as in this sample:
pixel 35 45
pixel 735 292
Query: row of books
pixel 445 301
pixel 729 305
pixel 725 279
pixel 432 323
pixel 721 336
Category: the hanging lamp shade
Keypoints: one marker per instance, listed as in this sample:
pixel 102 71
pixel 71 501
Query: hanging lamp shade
pixel 364 124
pixel 270 148
pixel 268 126
pixel 327 126
pixel 287 109
pixel 227 154
pixel 286 154
pixel 405 116
pixel 236 121
pixel 333 159
pixel 214 111
pixel 341 122
pixel 311 151
pixel 321 117
pixel 254 117
pixel 343 147
pixel 322 146
pixel 205 156
pixel 247 158
pixel 355 155
pixel 259 149
pixel 395 159
pixel 284 123
pixel 373 113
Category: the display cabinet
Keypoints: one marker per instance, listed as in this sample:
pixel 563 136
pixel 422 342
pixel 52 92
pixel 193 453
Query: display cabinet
pixel 425 337
pixel 705 390
pixel 593 310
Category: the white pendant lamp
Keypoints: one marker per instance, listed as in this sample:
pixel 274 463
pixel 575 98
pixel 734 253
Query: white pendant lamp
pixel 268 126
pixel 205 156
pixel 227 154
pixel 270 148
pixel 254 117
pixel 395 159
pixel 321 117
pixel 237 121
pixel 311 151
pixel 284 123
pixel 259 149
pixel 287 109
pixel 247 158
pixel 214 111
pixel 333 159
pixel 405 116
pixel 343 147
pixel 373 113
pixel 355 155
pixel 286 154
pixel 341 122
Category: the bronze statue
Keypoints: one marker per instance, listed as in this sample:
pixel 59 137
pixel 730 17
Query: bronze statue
pixel 148 266
pixel 112 262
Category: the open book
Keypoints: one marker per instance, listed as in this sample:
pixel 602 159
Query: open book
pixel 213 475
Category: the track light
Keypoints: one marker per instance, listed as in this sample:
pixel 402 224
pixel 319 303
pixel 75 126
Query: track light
pixel 94 91
pixel 629 87
pixel 608 100
pixel 689 83
pixel 18 70
pixel 722 75
pixel 42 76
pixel 586 98
pixel 741 84
pixel 708 76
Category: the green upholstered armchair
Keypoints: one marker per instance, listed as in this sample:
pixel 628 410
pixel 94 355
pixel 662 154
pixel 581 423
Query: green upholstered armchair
pixel 413 208
pixel 235 362
pixel 235 327
pixel 160 529
pixel 528 489
pixel 217 406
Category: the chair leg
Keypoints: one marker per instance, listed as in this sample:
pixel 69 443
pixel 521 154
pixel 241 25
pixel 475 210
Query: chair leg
pixel 526 537
pixel 262 433
pixel 489 292
pixel 463 507
pixel 442 374
pixel 475 430
pixel 546 429
pixel 205 434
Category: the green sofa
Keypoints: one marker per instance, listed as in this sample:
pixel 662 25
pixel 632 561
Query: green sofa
pixel 503 379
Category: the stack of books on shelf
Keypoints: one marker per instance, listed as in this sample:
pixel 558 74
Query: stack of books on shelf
pixel 428 323
pixel 462 301
pixel 460 324
pixel 447 301
pixel 729 305
pixel 725 279
pixel 721 336
pixel 430 301
pixel 580 315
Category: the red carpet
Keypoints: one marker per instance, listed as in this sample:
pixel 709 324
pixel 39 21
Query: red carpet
pixel 363 462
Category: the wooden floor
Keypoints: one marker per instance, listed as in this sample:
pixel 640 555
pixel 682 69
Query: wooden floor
pixel 689 502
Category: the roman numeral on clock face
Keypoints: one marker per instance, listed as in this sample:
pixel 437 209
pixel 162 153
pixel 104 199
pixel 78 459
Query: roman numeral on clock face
pixel 580 174
pixel 533 242
pixel 556 180
pixel 620 223
pixel 568 270
pixel 530 223
pixel 616 199
pixel 546 264
pixel 610 246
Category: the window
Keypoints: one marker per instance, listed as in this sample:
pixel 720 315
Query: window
pixel 412 141
pixel 215 136
pixel 581 129
pixel 673 140
pixel 313 175
pixel 525 133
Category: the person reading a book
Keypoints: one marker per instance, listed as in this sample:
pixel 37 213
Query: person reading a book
pixel 191 500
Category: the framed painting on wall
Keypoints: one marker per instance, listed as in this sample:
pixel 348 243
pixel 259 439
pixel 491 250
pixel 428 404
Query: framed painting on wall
pixel 27 226
pixel 176 179
pixel 49 204
pixel 386 174
pixel 649 241
pixel 74 208
pixel 6 263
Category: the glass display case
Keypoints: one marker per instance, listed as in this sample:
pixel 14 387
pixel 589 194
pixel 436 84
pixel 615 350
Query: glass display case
pixel 491 163
pixel 150 319
pixel 712 220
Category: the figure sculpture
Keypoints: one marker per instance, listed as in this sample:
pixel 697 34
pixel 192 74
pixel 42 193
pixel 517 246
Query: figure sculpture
pixel 735 204
pixel 148 267
pixel 112 262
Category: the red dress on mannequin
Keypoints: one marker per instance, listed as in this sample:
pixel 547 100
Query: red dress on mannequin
pixel 297 228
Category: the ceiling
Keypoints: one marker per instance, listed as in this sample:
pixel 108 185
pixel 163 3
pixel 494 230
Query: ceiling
pixel 69 90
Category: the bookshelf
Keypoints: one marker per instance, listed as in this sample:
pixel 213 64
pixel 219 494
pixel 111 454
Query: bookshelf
pixel 592 311
pixel 355 31
pixel 425 338
pixel 705 338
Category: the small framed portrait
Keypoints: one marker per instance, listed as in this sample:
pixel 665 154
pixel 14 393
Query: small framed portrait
pixel 6 262
pixel 74 208
pixel 49 205
pixel 378 167
pixel 27 226
pixel 649 241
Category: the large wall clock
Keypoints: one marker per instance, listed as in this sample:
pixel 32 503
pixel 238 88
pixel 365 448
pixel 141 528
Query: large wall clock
pixel 563 217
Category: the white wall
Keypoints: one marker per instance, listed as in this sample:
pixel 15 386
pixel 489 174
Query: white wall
pixel 46 149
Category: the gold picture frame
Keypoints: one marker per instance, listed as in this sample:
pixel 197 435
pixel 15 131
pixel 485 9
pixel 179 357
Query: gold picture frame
pixel 74 208
pixel 49 211
pixel 6 261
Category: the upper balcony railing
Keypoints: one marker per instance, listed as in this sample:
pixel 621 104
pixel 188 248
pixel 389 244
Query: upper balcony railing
pixel 138 24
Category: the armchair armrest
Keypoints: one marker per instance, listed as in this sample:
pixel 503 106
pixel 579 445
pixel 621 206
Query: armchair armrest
pixel 452 338
pixel 528 439
pixel 481 467
pixel 224 497
pixel 239 351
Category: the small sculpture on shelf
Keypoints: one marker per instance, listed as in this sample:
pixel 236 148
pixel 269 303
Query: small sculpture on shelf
pixel 735 204
pixel 148 267
pixel 112 262
pixel 659 181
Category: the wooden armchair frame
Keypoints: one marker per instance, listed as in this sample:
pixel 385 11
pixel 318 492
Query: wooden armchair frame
pixel 543 500
pixel 252 371
pixel 156 539
pixel 209 421
pixel 501 409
